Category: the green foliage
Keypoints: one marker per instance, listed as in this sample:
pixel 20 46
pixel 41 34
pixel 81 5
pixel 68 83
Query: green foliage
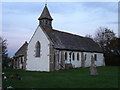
pixel 73 78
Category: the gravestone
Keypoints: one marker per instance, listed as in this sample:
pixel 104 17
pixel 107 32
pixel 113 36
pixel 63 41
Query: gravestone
pixel 93 69
pixel 10 88
pixel 68 66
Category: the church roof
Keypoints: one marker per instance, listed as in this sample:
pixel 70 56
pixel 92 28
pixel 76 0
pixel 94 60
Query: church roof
pixel 22 50
pixel 68 41
pixel 45 14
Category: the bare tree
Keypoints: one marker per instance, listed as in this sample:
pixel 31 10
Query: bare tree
pixel 103 37
pixel 3 51
pixel 3 44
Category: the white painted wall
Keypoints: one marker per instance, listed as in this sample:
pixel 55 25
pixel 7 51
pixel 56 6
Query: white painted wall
pixel 42 63
pixel 77 63
pixel 100 60
pixel 38 63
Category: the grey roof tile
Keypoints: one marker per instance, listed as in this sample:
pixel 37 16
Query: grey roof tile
pixel 68 41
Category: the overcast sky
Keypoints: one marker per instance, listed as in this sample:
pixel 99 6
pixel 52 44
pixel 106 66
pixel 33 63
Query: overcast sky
pixel 20 19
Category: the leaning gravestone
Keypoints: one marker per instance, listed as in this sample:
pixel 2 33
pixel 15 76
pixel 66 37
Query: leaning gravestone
pixel 93 69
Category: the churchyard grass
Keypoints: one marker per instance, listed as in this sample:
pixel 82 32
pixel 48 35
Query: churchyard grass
pixel 73 78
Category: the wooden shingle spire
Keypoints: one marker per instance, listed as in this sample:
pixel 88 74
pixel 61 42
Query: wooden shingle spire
pixel 45 14
pixel 45 19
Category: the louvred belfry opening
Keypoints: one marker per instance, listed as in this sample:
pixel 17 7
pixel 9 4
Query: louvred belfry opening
pixel 45 19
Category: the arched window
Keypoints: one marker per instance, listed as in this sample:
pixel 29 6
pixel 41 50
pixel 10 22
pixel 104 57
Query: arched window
pixel 85 56
pixel 65 55
pixel 73 56
pixel 77 56
pixel 37 49
pixel 95 57
pixel 70 56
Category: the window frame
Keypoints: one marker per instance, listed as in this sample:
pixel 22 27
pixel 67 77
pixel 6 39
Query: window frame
pixel 95 57
pixel 37 49
pixel 66 55
pixel 73 56
pixel 78 56
pixel 85 56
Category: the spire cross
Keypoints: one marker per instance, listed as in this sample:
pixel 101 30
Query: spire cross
pixel 45 2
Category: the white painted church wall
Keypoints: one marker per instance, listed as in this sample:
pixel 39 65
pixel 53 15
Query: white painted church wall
pixel 88 59
pixel 38 63
pixel 77 63
pixel 100 60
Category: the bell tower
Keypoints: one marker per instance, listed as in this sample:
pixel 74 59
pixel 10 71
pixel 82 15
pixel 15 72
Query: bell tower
pixel 45 19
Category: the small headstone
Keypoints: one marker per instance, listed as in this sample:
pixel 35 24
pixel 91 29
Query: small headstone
pixel 5 78
pixel 93 69
pixel 9 88
pixel 3 74
pixel 18 77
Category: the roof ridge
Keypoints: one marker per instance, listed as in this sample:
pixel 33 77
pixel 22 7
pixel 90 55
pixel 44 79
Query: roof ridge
pixel 69 33
pixel 24 44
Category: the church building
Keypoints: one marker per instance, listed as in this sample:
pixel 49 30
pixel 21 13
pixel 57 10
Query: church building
pixel 50 49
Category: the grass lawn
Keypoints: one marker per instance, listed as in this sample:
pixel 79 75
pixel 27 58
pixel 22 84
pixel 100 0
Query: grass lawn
pixel 73 78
